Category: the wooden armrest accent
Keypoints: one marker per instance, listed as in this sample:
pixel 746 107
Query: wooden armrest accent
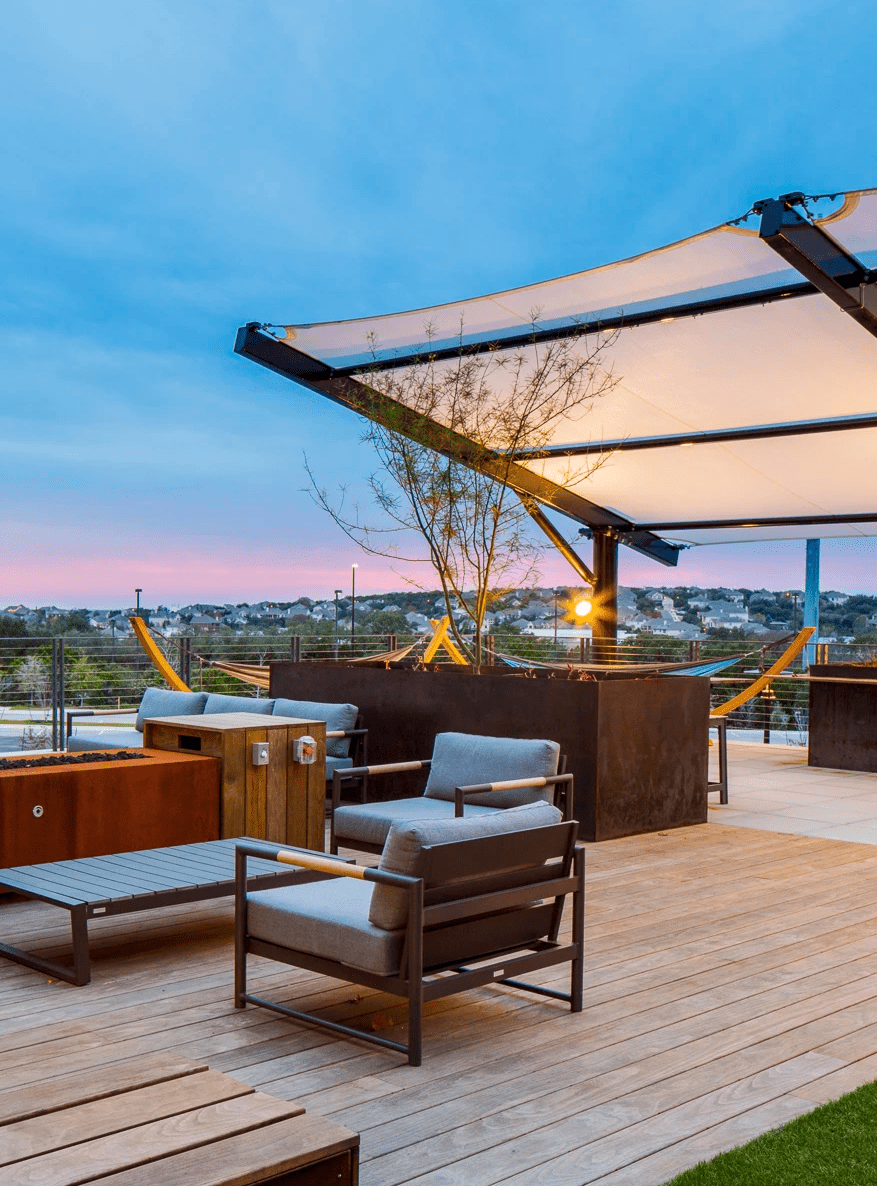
pixel 389 768
pixel 511 785
pixel 321 864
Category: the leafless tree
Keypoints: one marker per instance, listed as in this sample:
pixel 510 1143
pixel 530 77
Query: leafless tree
pixel 446 440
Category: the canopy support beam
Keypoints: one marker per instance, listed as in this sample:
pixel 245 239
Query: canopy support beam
pixel 253 343
pixel 713 436
pixel 566 550
pixel 819 257
pixel 604 616
pixel 811 593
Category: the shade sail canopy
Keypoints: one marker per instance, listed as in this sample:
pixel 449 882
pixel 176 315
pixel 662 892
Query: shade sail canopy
pixel 745 406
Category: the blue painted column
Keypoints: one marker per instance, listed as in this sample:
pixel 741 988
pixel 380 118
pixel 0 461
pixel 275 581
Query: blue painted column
pixel 811 595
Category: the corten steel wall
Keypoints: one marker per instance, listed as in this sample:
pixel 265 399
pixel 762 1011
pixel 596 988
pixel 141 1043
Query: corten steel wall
pixel 91 810
pixel 637 747
pixel 843 718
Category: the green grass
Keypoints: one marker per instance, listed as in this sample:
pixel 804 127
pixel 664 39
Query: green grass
pixel 835 1145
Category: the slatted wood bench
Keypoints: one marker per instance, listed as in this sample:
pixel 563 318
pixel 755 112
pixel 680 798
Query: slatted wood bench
pixel 96 887
pixel 165 1119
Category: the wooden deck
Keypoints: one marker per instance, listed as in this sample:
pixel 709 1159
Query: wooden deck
pixel 730 985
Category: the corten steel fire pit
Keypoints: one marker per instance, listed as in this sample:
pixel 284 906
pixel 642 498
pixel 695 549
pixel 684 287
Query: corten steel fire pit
pixel 637 747
pixel 105 804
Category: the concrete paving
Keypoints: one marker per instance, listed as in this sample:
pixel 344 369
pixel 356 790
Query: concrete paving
pixel 771 787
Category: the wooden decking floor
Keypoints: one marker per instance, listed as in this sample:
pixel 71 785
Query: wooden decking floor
pixel 731 984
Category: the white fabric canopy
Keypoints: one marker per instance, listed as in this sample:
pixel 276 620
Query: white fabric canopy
pixel 780 362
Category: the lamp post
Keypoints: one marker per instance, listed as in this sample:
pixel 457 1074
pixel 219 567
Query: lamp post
pixel 137 610
pixel 353 569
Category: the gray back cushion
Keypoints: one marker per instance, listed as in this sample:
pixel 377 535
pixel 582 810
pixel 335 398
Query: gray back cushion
pixel 216 703
pixel 402 850
pixel 336 716
pixel 162 702
pixel 464 759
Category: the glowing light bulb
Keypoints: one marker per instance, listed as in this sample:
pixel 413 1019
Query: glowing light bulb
pixel 583 608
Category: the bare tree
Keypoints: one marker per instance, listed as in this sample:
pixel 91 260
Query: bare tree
pixel 446 440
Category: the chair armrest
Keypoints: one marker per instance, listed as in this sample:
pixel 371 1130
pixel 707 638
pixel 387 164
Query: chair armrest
pixel 318 862
pixel 365 773
pixel 563 781
pixel 346 732
pixel 70 713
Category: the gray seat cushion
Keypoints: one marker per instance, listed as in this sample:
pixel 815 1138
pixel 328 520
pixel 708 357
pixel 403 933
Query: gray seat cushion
pixel 370 822
pixel 109 739
pixel 465 759
pixel 333 764
pixel 403 849
pixel 163 702
pixel 336 716
pixel 328 919
pixel 217 703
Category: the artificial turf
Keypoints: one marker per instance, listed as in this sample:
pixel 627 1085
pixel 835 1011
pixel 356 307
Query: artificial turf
pixel 834 1145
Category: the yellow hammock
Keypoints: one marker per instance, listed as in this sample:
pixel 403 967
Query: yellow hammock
pixel 788 655
pixel 246 672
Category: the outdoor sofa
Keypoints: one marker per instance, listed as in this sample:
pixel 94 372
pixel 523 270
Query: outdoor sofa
pixel 341 719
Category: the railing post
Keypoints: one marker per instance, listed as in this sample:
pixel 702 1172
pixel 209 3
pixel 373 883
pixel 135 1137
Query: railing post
pixel 55 745
pixel 392 642
pixel 490 644
pixel 295 648
pixel 61 695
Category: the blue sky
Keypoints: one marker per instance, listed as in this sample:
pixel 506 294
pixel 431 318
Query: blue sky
pixel 174 170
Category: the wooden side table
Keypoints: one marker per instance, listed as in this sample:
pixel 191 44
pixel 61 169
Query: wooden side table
pixel 283 801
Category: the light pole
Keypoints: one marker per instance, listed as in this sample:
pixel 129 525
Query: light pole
pixel 353 569
pixel 337 595
pixel 137 610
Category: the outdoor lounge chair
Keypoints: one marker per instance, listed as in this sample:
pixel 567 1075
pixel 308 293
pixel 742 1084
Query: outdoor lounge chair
pixel 448 894
pixel 490 773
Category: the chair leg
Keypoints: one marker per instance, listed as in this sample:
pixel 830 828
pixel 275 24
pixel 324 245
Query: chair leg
pixel 240 931
pixel 415 974
pixel 577 971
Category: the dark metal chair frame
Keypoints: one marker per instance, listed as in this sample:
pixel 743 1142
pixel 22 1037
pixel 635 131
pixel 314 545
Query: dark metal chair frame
pixel 479 900
pixel 562 783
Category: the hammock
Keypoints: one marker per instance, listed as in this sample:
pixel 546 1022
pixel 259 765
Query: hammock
pixel 690 667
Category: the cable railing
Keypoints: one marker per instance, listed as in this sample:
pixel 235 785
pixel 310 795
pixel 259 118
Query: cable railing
pixel 42 677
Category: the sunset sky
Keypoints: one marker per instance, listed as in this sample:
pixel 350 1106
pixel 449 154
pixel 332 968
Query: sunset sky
pixel 174 170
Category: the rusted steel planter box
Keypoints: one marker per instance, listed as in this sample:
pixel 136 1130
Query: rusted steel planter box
pixel 843 717
pixel 97 808
pixel 637 747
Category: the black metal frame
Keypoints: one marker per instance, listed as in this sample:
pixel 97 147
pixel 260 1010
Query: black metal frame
pixel 562 783
pixel 817 255
pixel 442 925
pixel 752 432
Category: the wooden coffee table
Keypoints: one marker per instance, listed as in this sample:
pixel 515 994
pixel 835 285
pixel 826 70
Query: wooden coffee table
pixel 165 1119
